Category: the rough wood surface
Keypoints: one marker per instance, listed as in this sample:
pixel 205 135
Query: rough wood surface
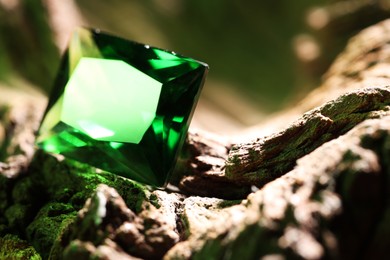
pixel 19 121
pixel 267 158
pixel 354 89
pixel 316 187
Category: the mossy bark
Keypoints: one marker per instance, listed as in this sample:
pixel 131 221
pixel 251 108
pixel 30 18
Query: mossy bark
pixel 316 188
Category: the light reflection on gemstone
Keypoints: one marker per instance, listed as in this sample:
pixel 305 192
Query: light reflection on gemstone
pixel 121 106
pixel 101 89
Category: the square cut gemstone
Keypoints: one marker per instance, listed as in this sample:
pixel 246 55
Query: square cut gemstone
pixel 121 106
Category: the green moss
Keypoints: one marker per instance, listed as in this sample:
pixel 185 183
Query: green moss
pixel 186 226
pixel 253 154
pixel 154 200
pixel 18 216
pixel 48 197
pixel 74 182
pixel 234 160
pixel 78 200
pixel 48 225
pixel 228 203
pixel 234 148
pixel 25 192
pixel 12 247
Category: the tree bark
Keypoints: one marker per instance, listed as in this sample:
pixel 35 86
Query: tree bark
pixel 316 187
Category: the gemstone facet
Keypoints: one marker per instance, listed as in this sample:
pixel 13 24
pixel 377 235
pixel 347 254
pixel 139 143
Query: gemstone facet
pixel 121 106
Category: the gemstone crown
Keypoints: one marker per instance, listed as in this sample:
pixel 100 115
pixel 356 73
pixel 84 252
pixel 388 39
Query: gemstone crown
pixel 121 106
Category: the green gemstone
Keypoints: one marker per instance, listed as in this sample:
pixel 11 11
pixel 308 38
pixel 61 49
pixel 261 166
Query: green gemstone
pixel 121 106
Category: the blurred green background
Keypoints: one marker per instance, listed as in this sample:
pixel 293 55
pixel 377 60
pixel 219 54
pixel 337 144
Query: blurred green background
pixel 263 55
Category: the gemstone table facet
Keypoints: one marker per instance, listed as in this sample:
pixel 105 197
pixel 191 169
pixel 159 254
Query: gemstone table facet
pixel 121 106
